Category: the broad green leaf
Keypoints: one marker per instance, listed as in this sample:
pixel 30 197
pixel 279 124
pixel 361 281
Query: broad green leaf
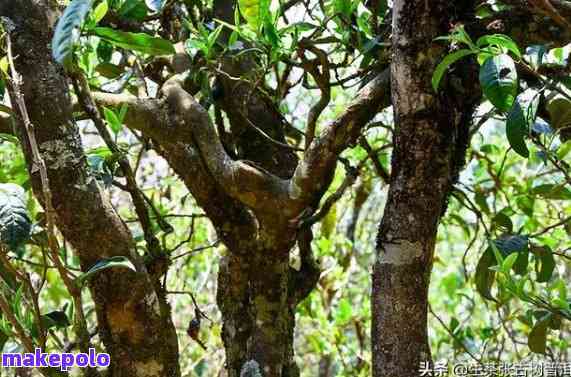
pixel 520 119
pixel 499 81
pixel 140 42
pixel 537 338
pixel 15 225
pixel 445 63
pixel 113 262
pixel 544 263
pixel 66 33
pixel 499 40
pixel 113 120
pixel 484 276
pixel 297 27
pixel 551 191
pixel 509 262
pixel 254 12
pixel 559 109
pixel 135 10
pixel 108 70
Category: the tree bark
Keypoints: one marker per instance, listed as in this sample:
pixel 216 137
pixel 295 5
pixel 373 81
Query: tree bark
pixel 133 315
pixel 431 137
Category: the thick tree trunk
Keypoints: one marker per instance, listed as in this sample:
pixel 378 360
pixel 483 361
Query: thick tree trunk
pixel 257 295
pixel 431 137
pixel 132 312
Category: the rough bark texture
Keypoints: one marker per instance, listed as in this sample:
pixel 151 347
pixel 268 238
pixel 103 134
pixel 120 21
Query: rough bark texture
pixel 431 137
pixel 133 315
pixel 256 204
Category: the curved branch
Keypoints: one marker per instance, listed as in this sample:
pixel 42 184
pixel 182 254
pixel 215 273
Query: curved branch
pixel 176 116
pixel 314 173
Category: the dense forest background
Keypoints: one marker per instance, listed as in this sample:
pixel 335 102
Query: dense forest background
pixel 275 80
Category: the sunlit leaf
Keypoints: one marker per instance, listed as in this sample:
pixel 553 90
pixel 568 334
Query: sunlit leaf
pixel 140 42
pixel 254 11
pixel 499 40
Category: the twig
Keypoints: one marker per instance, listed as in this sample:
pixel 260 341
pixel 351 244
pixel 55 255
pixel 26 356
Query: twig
pixel 451 333
pixel 350 178
pixel 196 250
pixel 379 168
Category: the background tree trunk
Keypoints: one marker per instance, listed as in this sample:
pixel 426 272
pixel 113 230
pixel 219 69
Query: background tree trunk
pixel 431 137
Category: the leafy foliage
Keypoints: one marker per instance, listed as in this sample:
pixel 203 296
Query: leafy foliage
pixel 15 224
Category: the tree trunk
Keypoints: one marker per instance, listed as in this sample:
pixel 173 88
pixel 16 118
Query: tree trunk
pixel 257 295
pixel 133 315
pixel 431 137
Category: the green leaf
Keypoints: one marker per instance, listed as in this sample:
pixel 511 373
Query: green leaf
pixel 551 191
pixel 135 10
pixel 509 262
pixel 499 81
pixel 140 42
pixel 113 262
pixel 57 319
pixel 9 138
pixel 445 63
pixel 99 12
pixel 254 12
pixel 15 225
pixel 344 312
pixel 537 338
pixel 502 220
pixel 558 56
pixel 66 33
pixel 499 40
pixel 520 119
pixel 544 263
pixel 113 120
pixel 559 109
pixel 484 276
